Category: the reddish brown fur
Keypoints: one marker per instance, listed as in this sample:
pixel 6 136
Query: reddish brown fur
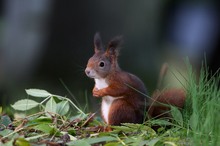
pixel 130 108
pixel 173 96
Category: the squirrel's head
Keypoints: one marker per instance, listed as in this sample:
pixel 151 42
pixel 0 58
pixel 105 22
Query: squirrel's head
pixel 104 61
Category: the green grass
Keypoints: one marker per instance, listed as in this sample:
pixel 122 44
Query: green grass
pixel 54 122
pixel 201 112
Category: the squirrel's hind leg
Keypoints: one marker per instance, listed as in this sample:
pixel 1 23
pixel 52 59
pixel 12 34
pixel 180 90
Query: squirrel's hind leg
pixel 122 112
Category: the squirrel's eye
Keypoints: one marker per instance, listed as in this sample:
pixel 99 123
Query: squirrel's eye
pixel 101 64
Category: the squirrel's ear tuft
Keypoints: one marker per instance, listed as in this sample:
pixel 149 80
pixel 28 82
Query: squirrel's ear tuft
pixel 114 46
pixel 97 43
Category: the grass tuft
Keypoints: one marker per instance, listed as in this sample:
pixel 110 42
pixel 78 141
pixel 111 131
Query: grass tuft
pixel 201 111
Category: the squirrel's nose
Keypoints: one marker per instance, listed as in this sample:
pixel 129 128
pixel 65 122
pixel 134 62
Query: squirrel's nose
pixel 87 71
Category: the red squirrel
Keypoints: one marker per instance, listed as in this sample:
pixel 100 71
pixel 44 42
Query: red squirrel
pixel 122 93
pixel 120 103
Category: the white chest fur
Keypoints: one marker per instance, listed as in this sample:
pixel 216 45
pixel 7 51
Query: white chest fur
pixel 106 100
pixel 101 83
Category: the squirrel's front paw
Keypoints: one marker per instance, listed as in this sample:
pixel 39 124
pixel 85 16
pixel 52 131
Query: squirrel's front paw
pixel 97 93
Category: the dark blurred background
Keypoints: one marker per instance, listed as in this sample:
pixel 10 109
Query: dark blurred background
pixel 45 43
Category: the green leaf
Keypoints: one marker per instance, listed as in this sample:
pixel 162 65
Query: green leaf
pixel 100 139
pixel 5 132
pixel 44 128
pixel 121 128
pixel 193 121
pixel 138 127
pixel 170 143
pixel 24 104
pixel 35 137
pixel 39 120
pixel 22 142
pixel 51 105
pixel 177 115
pixel 151 142
pixel 91 141
pixel 37 93
pixel 63 107
pixel 42 119
pixel 161 122
pixel 112 144
pixel 5 120
pixel 78 143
